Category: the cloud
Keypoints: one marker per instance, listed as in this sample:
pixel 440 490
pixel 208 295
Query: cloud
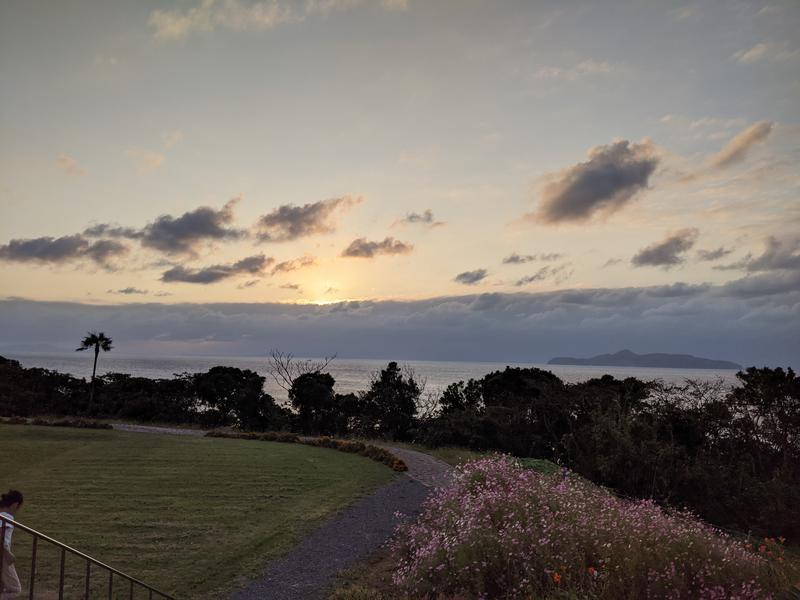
pixel 519 327
pixel 558 274
pixel 182 235
pixel 711 255
pixel 252 265
pixel 70 166
pixel 611 177
pixel 471 277
pixel 736 150
pixel 69 248
pixel 577 71
pixel 294 264
pixel 145 161
pixel 292 286
pixel 171 138
pixel 767 51
pixel 208 15
pixel 362 248
pixel 516 259
pixel 115 231
pixel 290 222
pixel 667 253
pixel 777 256
pixel 424 218
pixel 104 251
pixel 128 291
pixel 248 284
pixel 612 262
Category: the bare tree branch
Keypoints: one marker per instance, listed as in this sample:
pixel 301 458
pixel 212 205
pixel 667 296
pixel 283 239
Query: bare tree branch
pixel 284 367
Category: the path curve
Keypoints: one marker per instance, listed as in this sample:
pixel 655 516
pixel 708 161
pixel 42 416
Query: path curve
pixel 308 570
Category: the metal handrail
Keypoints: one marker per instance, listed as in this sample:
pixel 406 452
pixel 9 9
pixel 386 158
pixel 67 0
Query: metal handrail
pixel 4 522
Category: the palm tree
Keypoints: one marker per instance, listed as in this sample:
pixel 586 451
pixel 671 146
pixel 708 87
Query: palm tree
pixel 98 341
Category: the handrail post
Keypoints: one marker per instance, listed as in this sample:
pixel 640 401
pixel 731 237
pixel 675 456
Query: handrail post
pixel 33 566
pixel 88 579
pixel 2 550
pixel 61 575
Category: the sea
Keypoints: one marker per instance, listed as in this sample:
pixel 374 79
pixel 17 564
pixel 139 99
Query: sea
pixel 351 374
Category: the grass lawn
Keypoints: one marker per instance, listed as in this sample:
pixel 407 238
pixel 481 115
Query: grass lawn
pixel 193 516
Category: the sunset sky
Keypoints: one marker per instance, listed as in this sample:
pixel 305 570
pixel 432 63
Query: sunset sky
pixel 489 179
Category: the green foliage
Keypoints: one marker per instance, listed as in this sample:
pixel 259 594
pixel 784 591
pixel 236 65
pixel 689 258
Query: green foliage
pixel 389 406
pixel 313 398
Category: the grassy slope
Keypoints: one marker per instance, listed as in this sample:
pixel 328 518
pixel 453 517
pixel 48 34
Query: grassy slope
pixel 189 515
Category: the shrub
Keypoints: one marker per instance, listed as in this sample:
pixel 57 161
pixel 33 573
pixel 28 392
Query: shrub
pixel 502 531
pixel 77 423
pixel 367 450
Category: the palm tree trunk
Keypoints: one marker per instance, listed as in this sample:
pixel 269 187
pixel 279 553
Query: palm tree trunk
pixel 91 386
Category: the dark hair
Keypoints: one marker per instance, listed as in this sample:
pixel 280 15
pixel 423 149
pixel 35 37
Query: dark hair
pixel 12 497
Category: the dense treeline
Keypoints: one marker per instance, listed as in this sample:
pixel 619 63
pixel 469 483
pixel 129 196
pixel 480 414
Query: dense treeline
pixel 732 455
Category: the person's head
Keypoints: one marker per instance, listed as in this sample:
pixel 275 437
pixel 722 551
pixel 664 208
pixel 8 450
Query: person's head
pixel 11 501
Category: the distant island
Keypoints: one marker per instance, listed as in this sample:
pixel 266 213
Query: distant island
pixel 626 358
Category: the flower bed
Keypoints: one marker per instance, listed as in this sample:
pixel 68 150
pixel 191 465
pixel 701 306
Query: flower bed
pixel 375 453
pixel 505 532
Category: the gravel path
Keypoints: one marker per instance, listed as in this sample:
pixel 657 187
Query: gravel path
pixel 353 534
pixel 348 537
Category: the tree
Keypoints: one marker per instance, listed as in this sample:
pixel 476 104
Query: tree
pixel 313 397
pixel 231 396
pixel 97 341
pixel 391 402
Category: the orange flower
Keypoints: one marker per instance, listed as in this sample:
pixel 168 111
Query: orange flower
pixel 556 578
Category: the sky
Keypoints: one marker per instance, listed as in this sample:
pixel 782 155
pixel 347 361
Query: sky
pixel 431 179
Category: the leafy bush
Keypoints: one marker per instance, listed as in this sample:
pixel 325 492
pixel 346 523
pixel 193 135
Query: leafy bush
pixel 502 531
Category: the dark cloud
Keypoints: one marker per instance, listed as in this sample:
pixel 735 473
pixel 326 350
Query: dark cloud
pixel 128 291
pixel 424 218
pixel 104 251
pixel 471 277
pixel 252 265
pixel 45 249
pixel 668 252
pixel 363 248
pixel 248 284
pixel 290 222
pixel 292 286
pixel 516 259
pixel 611 262
pixel 778 255
pixel 294 264
pixel 69 248
pixel 182 235
pixel 737 149
pixel 611 177
pixel 753 320
pixel 559 274
pixel 712 255
pixel 113 231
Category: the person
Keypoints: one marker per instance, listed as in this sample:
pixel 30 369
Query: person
pixel 10 586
